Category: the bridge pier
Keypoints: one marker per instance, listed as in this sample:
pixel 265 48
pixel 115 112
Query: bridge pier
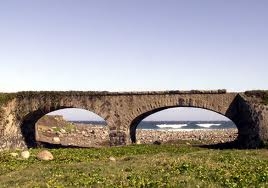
pixel 118 130
pixel 11 137
pixel 118 138
pixel 251 119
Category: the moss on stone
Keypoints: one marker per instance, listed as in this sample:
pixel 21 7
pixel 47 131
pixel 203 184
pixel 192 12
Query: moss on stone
pixel 57 94
pixel 5 97
pixel 262 94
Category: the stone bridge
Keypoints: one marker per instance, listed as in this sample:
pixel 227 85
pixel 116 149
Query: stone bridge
pixel 123 111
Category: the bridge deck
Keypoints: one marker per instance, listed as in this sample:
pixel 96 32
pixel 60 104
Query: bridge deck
pixel 93 93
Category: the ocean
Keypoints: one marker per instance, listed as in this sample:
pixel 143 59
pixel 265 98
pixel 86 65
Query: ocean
pixel 174 125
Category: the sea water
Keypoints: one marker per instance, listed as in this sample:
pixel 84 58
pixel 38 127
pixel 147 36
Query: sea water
pixel 174 125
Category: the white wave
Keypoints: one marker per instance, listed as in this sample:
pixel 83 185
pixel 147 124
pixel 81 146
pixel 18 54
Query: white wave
pixel 181 130
pixel 172 126
pixel 207 125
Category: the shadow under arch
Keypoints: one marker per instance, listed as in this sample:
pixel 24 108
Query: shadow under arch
pixel 138 119
pixel 29 121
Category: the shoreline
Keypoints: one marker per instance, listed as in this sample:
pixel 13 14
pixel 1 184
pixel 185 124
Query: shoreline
pixel 184 130
pixel 211 136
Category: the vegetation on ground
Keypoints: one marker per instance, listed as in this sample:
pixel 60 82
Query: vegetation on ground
pixel 68 128
pixel 165 165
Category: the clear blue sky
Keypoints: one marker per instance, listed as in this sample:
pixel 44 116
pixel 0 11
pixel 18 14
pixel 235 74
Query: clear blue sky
pixel 125 45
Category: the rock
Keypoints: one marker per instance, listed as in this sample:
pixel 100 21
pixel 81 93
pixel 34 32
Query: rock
pixel 62 131
pixel 56 139
pixel 45 155
pixel 59 134
pixel 157 142
pixel 14 154
pixel 138 142
pixel 25 154
pixel 112 159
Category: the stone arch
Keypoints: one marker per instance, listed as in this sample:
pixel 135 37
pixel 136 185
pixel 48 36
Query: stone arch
pixel 123 110
pixel 27 125
pixel 135 122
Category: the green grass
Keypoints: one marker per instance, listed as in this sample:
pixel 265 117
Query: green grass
pixel 70 128
pixel 176 165
pixel 56 129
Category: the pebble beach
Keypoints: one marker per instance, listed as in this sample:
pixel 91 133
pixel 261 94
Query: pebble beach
pixel 95 136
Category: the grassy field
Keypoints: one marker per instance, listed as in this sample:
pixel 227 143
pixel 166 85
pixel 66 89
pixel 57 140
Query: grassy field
pixel 166 165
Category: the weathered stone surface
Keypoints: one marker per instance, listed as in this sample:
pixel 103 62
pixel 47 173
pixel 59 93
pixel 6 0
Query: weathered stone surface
pixel 123 112
pixel 45 155
pixel 56 139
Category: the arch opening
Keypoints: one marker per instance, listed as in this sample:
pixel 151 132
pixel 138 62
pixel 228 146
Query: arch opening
pixel 65 127
pixel 182 123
